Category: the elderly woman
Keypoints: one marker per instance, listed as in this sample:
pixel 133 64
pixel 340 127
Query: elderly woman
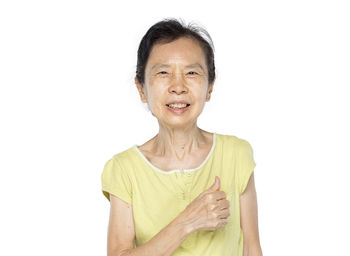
pixel 185 191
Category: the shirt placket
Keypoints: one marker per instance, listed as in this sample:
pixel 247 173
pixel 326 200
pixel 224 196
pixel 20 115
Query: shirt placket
pixel 185 182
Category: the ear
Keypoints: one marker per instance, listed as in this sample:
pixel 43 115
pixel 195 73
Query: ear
pixel 210 89
pixel 141 90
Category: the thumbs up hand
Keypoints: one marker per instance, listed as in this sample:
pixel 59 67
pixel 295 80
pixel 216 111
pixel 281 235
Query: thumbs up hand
pixel 208 211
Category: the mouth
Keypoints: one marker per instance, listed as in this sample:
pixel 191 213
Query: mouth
pixel 178 109
pixel 168 105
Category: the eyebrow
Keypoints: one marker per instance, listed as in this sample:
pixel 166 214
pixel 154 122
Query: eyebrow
pixel 159 65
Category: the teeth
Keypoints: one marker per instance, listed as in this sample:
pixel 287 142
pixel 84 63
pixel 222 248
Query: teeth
pixel 177 105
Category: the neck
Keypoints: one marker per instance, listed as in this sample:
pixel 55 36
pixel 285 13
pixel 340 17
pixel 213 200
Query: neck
pixel 178 143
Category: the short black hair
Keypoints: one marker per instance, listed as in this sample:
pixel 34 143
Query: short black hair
pixel 168 30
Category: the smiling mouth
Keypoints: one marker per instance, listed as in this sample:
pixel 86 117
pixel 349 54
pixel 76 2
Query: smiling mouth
pixel 187 105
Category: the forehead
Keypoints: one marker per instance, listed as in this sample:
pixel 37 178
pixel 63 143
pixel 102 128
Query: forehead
pixel 183 51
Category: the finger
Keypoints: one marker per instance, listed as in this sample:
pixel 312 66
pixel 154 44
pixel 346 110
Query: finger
pixel 220 195
pixel 224 214
pixel 224 205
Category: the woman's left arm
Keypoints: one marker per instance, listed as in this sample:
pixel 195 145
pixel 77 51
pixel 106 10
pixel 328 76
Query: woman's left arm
pixel 249 220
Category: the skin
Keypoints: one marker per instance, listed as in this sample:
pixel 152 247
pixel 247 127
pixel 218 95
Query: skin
pixel 179 138
pixel 249 220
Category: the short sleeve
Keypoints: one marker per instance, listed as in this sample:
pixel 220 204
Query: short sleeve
pixel 246 165
pixel 116 181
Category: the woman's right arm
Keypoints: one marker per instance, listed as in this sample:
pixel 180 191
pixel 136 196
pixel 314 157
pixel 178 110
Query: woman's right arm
pixel 208 211
pixel 121 234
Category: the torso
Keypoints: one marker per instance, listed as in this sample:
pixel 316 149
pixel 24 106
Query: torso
pixel 191 162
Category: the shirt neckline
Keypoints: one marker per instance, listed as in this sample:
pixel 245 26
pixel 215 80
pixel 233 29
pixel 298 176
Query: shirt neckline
pixel 178 170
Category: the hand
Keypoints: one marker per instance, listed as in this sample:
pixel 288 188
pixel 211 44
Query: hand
pixel 208 211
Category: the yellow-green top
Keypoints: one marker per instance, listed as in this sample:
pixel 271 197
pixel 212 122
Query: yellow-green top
pixel 157 196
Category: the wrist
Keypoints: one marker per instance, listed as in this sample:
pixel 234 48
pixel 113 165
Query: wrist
pixel 183 224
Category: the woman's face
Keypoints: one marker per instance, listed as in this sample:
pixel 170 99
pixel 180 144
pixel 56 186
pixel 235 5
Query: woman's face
pixel 176 71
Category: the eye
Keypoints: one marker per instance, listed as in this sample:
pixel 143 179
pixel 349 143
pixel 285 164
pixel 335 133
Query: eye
pixel 192 73
pixel 162 72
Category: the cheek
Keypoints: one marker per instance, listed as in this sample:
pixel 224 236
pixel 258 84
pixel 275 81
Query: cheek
pixel 158 108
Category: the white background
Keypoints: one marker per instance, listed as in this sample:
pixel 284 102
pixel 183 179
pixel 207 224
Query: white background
pixel 68 103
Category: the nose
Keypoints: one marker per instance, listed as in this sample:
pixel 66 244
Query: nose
pixel 178 84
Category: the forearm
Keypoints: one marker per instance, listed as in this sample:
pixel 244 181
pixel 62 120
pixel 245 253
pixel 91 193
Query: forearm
pixel 163 243
pixel 252 250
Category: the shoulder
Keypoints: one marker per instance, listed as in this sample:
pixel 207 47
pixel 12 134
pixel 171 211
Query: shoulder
pixel 117 162
pixel 234 141
pixel 123 155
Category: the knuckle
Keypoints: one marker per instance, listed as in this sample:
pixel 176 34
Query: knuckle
pixel 210 207
pixel 212 215
pixel 205 199
pixel 208 197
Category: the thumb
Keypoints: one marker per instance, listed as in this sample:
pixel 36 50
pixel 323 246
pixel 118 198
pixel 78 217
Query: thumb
pixel 216 185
